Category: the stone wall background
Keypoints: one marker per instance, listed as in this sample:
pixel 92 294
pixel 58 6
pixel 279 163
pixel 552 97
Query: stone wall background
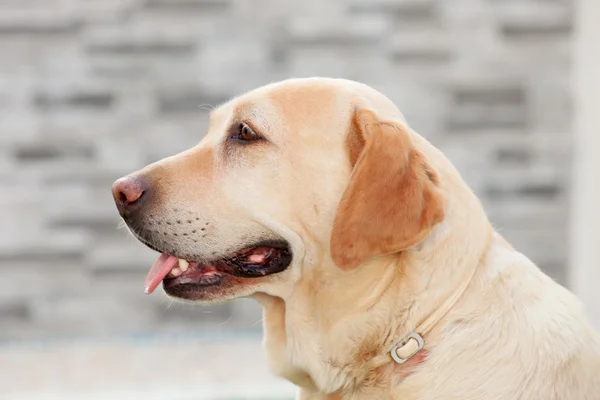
pixel 93 89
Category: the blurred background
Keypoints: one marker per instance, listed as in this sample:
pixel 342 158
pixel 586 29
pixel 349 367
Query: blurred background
pixel 91 90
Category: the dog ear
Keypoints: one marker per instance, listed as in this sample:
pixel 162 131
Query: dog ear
pixel 391 202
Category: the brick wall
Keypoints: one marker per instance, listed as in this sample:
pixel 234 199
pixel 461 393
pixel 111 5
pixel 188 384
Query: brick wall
pixel 94 89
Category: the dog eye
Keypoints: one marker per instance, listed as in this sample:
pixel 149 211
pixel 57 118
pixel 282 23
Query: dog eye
pixel 246 134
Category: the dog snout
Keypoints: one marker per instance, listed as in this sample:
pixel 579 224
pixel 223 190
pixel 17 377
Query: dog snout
pixel 130 193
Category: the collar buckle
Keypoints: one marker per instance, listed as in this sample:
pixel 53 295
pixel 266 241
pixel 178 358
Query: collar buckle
pixel 408 347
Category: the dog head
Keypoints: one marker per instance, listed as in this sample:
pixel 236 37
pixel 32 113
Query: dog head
pixel 289 177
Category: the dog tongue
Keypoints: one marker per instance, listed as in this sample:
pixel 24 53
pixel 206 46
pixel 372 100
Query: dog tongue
pixel 160 269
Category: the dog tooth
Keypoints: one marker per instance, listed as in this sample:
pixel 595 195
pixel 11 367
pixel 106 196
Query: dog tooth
pixel 175 272
pixel 183 265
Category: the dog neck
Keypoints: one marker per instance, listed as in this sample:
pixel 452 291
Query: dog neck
pixel 336 329
pixel 296 330
pixel 435 300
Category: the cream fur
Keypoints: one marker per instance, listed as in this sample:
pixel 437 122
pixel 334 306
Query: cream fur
pixel 513 334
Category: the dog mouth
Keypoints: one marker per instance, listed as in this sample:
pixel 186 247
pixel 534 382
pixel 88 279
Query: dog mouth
pixel 256 261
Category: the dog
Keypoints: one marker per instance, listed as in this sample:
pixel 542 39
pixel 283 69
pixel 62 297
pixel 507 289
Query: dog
pixel 377 268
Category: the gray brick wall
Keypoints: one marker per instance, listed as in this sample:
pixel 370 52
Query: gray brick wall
pixel 93 89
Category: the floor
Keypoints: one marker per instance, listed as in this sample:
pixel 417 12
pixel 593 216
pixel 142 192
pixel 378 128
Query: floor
pixel 146 367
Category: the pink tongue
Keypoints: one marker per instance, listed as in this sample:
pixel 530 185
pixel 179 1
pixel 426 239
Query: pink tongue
pixel 160 269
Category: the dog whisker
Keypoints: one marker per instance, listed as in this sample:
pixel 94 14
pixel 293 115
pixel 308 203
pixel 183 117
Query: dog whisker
pixel 207 107
pixel 226 321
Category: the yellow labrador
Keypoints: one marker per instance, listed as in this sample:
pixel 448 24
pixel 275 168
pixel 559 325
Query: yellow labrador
pixel 378 271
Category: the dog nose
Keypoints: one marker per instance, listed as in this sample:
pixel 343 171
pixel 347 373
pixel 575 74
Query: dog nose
pixel 129 193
